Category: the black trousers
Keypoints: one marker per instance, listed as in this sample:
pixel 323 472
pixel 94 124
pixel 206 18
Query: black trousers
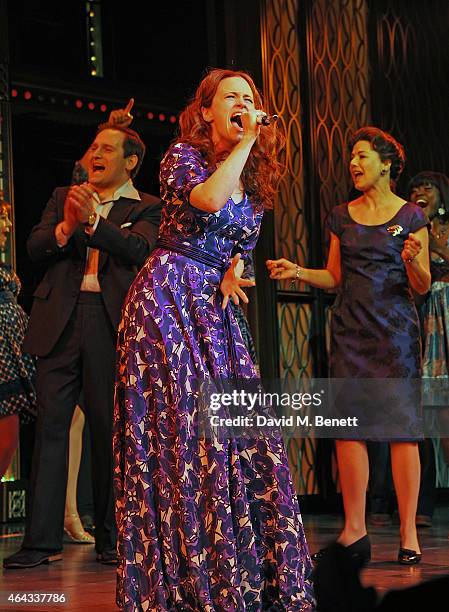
pixel 83 358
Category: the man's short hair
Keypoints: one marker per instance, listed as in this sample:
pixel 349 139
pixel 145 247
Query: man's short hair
pixel 132 143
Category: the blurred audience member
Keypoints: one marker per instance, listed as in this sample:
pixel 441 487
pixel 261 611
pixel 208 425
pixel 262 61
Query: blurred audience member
pixel 430 190
pixel 17 370
pixel 338 588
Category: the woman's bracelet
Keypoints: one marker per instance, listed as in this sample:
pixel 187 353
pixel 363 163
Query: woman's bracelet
pixel 298 275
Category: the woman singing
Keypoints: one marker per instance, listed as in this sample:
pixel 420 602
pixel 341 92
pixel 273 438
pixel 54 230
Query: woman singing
pixel 378 251
pixel 203 524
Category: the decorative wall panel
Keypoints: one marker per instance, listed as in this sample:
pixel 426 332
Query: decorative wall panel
pixel 296 364
pixel 339 91
pixel 410 78
pixel 283 96
pixel 282 91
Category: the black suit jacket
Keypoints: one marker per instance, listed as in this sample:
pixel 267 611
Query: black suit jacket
pixel 123 250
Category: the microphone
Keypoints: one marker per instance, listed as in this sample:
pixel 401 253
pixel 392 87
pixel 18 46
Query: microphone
pixel 267 119
pixel 261 119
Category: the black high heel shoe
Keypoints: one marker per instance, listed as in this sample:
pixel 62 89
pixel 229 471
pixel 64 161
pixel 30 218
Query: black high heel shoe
pixel 407 556
pixel 359 551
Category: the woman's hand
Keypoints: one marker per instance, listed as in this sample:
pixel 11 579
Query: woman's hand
pixel 231 284
pixel 251 128
pixel 281 269
pixel 412 247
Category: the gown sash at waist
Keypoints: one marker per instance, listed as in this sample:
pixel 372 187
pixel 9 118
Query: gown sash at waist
pixel 191 252
pixel 207 259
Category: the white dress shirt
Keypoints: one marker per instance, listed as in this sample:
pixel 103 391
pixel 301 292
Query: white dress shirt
pixel 90 278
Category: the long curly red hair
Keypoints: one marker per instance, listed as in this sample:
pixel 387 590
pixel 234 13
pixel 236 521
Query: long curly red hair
pixel 262 170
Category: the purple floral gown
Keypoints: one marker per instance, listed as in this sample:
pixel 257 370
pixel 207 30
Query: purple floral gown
pixel 204 525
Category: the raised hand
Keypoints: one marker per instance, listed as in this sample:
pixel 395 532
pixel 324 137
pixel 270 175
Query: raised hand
pixel 281 269
pixel 412 247
pixel 71 221
pixel 250 125
pixel 231 284
pixel 81 199
pixel 122 116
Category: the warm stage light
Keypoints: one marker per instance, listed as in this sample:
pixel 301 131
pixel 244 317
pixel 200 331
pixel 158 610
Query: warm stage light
pixel 91 105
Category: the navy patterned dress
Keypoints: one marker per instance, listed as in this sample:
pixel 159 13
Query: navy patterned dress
pixel 375 328
pixel 203 524
pixel 17 369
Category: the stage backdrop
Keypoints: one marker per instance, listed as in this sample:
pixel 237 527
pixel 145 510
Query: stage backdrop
pixel 326 67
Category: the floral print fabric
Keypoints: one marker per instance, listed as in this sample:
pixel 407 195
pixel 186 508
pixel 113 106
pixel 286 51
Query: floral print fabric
pixel 436 322
pixel 204 524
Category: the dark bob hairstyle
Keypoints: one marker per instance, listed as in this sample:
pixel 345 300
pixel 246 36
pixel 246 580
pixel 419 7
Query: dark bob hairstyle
pixel 388 148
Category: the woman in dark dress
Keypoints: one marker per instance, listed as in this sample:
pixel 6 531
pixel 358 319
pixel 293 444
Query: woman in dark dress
pixel 17 396
pixel 430 190
pixel 378 253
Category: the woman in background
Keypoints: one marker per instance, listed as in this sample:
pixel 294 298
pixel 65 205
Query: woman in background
pixel 430 190
pixel 17 371
pixel 378 251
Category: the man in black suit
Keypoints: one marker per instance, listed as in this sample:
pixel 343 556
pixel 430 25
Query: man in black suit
pixel 94 238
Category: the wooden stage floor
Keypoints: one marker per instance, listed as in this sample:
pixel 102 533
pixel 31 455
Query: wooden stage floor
pixel 89 586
